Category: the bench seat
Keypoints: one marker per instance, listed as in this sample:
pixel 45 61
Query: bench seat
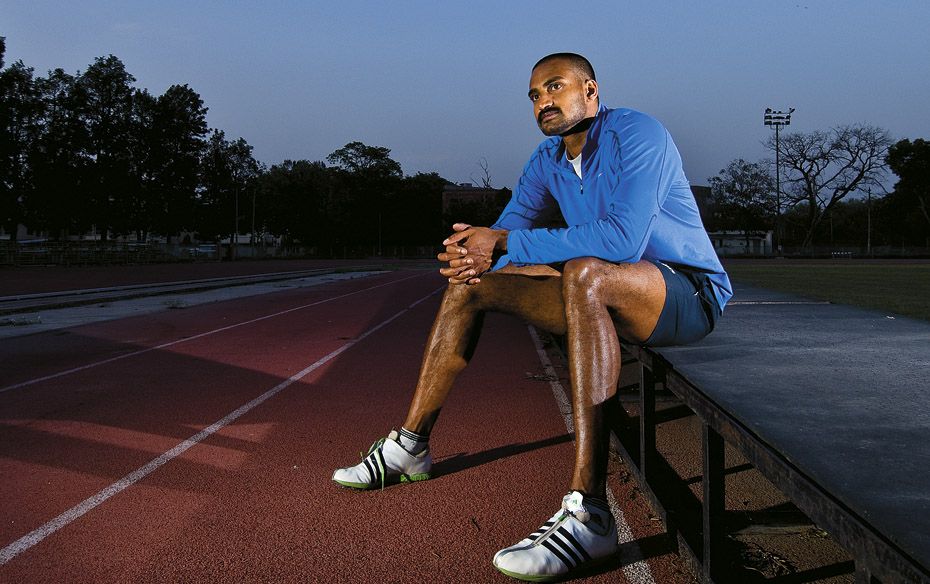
pixel 839 399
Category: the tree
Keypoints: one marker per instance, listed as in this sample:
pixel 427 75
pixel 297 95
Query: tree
pixel 367 180
pixel 744 195
pixel 415 215
pixel 485 180
pixel 824 167
pixel 910 200
pixel 228 175
pixel 62 160
pixel 297 203
pixel 370 161
pixel 20 127
pixel 174 134
pixel 108 115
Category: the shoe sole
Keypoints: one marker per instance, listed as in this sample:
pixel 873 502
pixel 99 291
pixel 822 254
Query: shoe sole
pixel 402 479
pixel 577 571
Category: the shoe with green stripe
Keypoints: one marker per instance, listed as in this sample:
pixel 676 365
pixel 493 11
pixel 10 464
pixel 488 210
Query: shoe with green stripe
pixel 580 535
pixel 386 463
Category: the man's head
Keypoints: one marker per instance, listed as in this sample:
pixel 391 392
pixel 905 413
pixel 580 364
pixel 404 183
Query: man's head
pixel 563 89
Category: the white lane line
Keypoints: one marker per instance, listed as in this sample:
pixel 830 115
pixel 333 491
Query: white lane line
pixel 36 536
pixel 635 567
pixel 195 337
pixel 775 302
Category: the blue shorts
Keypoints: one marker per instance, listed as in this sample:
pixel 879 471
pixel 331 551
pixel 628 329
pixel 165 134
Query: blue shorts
pixel 690 310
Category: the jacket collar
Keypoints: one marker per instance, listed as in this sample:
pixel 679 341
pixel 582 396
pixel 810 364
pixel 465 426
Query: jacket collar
pixel 590 144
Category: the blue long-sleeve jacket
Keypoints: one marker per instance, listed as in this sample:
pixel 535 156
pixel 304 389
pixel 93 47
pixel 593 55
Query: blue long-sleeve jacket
pixel 634 202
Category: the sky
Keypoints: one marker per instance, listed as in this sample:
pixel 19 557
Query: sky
pixel 443 84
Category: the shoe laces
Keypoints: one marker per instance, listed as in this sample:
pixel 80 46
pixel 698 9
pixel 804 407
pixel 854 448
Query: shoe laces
pixel 377 458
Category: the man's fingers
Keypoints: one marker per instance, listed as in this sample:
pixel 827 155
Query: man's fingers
pixel 460 226
pixel 461 271
pixel 457 237
pixel 457 262
pixel 448 256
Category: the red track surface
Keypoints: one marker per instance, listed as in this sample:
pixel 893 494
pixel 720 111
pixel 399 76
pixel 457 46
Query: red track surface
pixel 254 501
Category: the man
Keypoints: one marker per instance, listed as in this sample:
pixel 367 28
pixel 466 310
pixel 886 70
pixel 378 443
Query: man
pixel 634 259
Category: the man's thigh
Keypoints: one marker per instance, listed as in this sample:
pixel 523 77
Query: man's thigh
pixel 533 293
pixel 633 293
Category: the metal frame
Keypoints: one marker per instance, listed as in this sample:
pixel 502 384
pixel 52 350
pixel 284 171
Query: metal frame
pixel 877 558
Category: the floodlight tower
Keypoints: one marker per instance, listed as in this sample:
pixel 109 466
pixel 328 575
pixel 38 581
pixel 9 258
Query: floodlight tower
pixel 777 119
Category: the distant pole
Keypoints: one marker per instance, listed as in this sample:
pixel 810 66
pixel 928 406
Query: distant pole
pixel 868 239
pixel 777 119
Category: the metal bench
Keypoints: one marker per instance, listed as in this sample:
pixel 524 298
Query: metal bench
pixel 830 403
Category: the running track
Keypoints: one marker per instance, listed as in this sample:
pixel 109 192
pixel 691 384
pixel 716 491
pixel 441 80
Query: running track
pixel 197 445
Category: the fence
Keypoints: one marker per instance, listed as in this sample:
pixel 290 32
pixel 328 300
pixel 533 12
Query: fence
pixel 75 253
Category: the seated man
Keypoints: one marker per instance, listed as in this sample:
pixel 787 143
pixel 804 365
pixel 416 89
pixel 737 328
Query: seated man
pixel 634 259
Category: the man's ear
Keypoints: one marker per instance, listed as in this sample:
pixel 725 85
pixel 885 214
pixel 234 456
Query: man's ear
pixel 591 89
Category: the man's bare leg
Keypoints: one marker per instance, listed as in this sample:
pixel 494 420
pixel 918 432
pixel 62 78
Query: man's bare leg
pixel 601 299
pixel 533 293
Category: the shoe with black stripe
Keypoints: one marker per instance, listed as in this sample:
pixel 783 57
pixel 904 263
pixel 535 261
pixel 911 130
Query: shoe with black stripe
pixel 581 534
pixel 386 463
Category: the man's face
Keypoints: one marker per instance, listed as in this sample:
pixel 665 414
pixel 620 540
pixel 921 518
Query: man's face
pixel 561 97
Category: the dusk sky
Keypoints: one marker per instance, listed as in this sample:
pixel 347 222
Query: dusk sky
pixel 444 84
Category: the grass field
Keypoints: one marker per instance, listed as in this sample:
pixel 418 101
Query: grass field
pixel 899 287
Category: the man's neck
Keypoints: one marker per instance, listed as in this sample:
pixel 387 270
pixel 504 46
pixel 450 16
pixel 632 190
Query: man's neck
pixel 574 144
pixel 575 138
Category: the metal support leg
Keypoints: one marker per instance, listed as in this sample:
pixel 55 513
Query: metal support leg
pixel 647 420
pixel 714 505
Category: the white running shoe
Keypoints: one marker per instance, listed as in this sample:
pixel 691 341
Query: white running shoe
pixel 575 537
pixel 386 463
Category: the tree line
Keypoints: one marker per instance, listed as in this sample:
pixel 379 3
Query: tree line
pixel 90 152
pixel 831 192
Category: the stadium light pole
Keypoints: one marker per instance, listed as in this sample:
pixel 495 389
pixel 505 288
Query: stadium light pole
pixel 777 119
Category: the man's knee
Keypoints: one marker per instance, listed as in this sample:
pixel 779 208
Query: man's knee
pixel 460 294
pixel 583 278
pixel 621 287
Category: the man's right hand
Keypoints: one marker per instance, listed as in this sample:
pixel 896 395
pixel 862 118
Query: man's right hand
pixel 460 268
pixel 469 252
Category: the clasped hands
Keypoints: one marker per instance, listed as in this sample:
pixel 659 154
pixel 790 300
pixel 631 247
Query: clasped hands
pixel 469 252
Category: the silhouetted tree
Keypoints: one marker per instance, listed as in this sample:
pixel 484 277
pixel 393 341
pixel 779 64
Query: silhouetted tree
pixel 822 168
pixel 176 143
pixel 61 161
pixel 485 179
pixel 744 197
pixel 228 175
pixel 20 126
pixel 108 114
pixel 910 200
pixel 368 179
pixel 415 214
pixel 298 203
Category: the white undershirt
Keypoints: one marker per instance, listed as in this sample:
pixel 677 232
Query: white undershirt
pixel 576 163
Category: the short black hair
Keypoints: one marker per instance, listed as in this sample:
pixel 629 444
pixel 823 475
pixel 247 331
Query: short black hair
pixel 576 60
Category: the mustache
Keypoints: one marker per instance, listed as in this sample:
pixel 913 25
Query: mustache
pixel 546 111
